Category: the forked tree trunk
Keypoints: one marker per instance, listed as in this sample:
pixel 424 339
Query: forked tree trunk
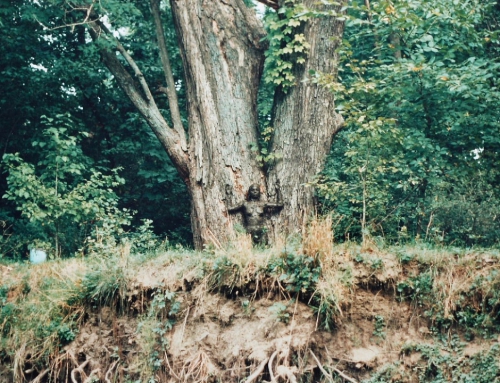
pixel 304 123
pixel 223 57
pixel 222 52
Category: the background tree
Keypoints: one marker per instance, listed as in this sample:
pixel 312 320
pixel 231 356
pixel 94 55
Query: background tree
pixel 420 150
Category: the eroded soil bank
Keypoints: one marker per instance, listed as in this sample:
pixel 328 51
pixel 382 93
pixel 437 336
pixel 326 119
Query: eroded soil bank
pixel 174 324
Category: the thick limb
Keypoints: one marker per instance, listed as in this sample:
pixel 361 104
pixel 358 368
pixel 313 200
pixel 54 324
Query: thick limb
pixel 274 205
pixel 234 209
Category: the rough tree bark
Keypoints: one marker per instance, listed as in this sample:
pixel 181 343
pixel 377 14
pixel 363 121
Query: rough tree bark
pixel 305 122
pixel 223 57
pixel 222 53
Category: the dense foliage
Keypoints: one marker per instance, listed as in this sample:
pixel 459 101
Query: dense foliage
pixel 419 156
pixel 57 98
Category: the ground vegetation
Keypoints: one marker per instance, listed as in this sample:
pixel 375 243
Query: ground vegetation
pixel 299 312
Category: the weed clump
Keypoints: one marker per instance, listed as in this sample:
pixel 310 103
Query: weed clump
pixel 459 292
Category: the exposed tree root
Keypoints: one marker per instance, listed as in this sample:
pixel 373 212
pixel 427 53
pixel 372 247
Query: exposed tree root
pixel 270 366
pixel 344 376
pixel 38 379
pixel 93 374
pixel 170 368
pixel 19 360
pixel 108 373
pixel 197 368
pixel 79 369
pixel 257 372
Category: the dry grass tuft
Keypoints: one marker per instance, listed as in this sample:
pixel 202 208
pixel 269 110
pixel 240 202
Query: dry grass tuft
pixel 449 284
pixel 318 239
pixel 242 252
pixel 38 311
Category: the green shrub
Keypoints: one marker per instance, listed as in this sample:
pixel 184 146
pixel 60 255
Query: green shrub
pixel 299 273
pixel 468 213
pixel 61 198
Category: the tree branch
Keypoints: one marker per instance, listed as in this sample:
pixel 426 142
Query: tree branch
pixel 270 3
pixel 173 101
pixel 130 61
pixel 122 76
pixel 145 104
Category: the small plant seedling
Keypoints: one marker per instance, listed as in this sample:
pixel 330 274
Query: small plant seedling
pixel 279 309
pixel 248 309
pixel 377 264
pixel 380 326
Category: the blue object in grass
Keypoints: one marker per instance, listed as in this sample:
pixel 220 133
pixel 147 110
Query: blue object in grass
pixel 38 256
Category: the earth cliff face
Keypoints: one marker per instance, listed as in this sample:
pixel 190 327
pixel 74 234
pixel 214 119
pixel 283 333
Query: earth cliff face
pixel 176 326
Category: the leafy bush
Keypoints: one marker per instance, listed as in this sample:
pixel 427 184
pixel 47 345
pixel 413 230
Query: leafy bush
pixel 66 203
pixel 468 213
pixel 417 289
pixel 61 198
pixel 299 273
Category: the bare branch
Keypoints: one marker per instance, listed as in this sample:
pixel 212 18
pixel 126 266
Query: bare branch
pixel 270 3
pixel 130 61
pixel 167 69
pixel 118 70
pixel 89 12
pixel 170 138
pixel 70 25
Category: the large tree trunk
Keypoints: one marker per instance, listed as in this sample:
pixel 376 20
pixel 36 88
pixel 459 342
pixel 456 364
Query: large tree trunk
pixel 305 123
pixel 223 57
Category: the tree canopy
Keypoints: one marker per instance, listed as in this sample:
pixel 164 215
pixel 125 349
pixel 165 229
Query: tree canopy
pixel 419 89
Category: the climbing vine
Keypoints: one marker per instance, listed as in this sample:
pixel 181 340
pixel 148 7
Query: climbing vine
pixel 287 45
